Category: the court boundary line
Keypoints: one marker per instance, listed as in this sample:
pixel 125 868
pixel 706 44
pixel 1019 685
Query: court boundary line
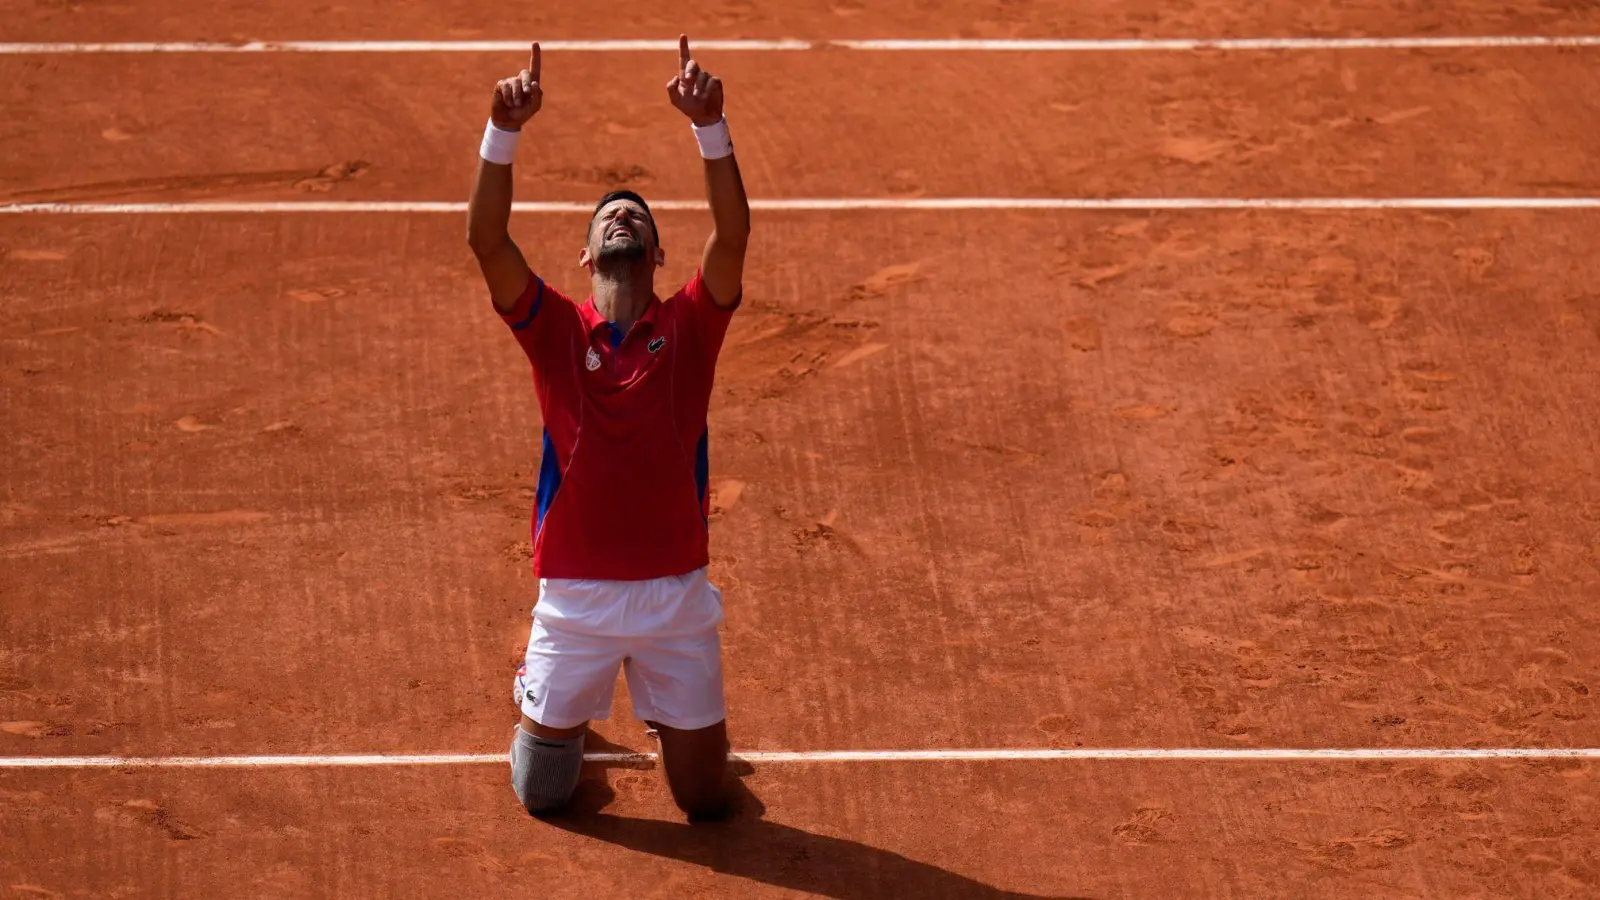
pixel 1103 45
pixel 1029 45
pixel 1192 754
pixel 827 204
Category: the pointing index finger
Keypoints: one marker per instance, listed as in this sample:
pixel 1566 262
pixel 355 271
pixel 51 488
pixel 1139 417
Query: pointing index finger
pixel 533 62
pixel 683 51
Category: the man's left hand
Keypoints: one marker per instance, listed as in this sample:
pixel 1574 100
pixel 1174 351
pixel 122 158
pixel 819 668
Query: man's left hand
pixel 693 90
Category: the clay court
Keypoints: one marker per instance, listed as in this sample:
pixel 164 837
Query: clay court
pixel 1089 493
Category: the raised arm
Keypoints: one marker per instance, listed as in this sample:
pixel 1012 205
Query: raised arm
pixel 699 96
pixel 504 269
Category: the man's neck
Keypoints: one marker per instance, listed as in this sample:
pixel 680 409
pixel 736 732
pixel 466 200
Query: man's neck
pixel 623 296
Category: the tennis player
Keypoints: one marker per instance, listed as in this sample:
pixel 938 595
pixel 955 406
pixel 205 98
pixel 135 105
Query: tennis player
pixel 620 525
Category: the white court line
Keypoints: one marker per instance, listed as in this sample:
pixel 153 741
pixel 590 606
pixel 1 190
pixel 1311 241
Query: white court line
pixel 1051 45
pixel 820 756
pixel 833 204
pixel 823 204
pixel 389 46
pixel 1046 45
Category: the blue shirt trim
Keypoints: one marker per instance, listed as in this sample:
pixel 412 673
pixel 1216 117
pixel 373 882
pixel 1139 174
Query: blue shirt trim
pixel 702 470
pixel 533 308
pixel 549 479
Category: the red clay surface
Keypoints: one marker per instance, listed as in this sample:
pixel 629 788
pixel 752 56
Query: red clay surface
pixel 1147 480
pixel 240 20
pixel 981 479
pixel 405 127
pixel 949 832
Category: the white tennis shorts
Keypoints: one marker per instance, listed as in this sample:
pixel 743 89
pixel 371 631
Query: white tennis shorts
pixel 662 632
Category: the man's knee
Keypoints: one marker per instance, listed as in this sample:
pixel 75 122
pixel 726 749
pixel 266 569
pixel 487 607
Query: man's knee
pixel 712 806
pixel 703 795
pixel 544 771
pixel 696 763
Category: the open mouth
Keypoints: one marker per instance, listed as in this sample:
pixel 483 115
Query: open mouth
pixel 615 233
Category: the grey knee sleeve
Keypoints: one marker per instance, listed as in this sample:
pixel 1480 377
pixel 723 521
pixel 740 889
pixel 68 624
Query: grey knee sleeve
pixel 544 771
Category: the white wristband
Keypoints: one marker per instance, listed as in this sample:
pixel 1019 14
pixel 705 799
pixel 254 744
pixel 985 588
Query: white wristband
pixel 499 146
pixel 714 140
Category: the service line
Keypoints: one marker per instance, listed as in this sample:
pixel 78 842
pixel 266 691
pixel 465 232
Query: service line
pixel 1196 754
pixel 834 204
pixel 1026 45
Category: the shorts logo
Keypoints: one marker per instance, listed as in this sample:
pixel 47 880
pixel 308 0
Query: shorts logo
pixel 531 698
pixel 592 360
pixel 656 345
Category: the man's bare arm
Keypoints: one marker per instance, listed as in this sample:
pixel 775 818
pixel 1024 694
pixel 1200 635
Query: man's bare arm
pixel 722 265
pixel 698 95
pixel 506 272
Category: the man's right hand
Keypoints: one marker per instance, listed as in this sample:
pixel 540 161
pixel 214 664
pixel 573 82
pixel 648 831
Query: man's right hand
pixel 516 99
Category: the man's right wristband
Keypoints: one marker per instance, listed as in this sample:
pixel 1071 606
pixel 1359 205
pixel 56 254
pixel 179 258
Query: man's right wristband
pixel 499 146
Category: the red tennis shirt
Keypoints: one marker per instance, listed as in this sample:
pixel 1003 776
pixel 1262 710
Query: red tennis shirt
pixel 623 474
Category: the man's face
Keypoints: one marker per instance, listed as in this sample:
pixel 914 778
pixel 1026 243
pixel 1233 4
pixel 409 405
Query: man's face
pixel 620 234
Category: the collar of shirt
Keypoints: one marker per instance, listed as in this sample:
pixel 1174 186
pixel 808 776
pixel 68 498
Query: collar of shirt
pixel 593 321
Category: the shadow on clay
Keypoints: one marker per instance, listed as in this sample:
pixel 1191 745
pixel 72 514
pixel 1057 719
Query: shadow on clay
pixel 747 846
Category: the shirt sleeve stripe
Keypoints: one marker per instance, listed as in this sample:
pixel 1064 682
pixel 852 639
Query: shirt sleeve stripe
pixel 533 308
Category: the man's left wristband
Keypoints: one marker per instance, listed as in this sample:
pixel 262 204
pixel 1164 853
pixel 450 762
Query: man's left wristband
pixel 499 145
pixel 713 139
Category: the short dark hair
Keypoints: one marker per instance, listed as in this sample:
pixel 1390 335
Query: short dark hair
pixel 627 195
